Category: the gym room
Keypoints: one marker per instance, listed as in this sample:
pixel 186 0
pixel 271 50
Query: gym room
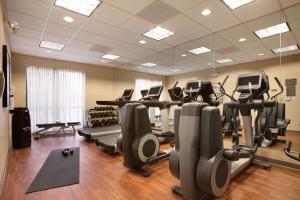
pixel 150 99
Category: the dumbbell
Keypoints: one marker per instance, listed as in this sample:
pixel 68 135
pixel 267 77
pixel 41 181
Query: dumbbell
pixel 67 152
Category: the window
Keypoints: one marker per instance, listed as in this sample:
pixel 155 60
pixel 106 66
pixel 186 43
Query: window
pixel 55 95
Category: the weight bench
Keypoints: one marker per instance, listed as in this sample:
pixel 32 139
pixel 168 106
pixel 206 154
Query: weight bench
pixel 60 131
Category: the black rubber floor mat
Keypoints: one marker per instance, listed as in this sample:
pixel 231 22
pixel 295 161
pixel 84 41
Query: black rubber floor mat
pixel 57 171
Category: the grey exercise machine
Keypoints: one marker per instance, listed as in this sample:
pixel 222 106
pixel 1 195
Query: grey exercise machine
pixel 199 159
pixel 138 144
pixel 109 143
pixel 287 151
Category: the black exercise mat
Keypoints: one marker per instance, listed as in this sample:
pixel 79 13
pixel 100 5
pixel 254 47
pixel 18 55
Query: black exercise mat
pixel 57 171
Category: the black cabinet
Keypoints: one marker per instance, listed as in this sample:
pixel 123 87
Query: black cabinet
pixel 21 131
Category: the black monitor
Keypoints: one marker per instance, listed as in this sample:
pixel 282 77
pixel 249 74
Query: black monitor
pixel 192 86
pixel 127 93
pixel 244 81
pixel 155 91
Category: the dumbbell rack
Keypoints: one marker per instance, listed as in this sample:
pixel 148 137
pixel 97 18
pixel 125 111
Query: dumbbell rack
pixel 103 116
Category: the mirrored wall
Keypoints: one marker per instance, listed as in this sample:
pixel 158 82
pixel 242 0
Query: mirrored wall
pixel 270 44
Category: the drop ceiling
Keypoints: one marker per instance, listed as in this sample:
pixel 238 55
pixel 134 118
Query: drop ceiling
pixel 116 27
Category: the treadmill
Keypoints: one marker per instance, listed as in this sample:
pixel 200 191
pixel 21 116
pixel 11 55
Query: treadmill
pixel 109 143
pixel 91 134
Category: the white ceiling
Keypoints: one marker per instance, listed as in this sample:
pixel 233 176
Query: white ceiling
pixel 118 25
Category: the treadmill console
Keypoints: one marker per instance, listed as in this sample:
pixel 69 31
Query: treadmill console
pixel 154 92
pixel 127 94
pixel 192 87
pixel 244 81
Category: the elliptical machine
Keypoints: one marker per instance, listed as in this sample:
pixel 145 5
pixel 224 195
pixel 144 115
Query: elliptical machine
pixel 199 160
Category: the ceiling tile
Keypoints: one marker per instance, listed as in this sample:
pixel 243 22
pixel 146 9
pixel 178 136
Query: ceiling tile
pixel 137 25
pixel 27 21
pixel 55 38
pixel 33 8
pixel 256 9
pixel 63 30
pixel 59 13
pixel 293 13
pixel 24 40
pixel 215 24
pixel 158 12
pixel 111 15
pixel 131 6
pixel 179 22
pixel 80 44
pixel 93 38
pixel 83 52
pixel 28 33
pixel 194 32
pixel 287 3
pixel 182 5
pixel 175 40
pixel 266 21
pixel 216 6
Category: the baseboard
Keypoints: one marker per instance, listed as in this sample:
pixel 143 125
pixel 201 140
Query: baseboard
pixel 293 131
pixel 4 174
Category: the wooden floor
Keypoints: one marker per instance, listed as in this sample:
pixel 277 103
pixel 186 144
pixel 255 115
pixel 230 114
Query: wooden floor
pixel 105 177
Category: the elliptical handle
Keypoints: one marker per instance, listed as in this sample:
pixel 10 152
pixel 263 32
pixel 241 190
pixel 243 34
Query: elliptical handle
pixel 280 86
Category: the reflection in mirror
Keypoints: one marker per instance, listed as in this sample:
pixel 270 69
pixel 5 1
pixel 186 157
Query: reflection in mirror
pixel 269 43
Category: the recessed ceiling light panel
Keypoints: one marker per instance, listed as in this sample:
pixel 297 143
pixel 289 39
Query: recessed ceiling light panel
pixel 225 60
pixel 199 50
pixel 273 30
pixel 84 7
pixel 149 64
pixel 51 45
pixel 110 56
pixel 158 33
pixel 286 49
pixel 233 4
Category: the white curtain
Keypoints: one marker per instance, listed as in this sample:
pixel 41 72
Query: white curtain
pixel 145 84
pixel 55 95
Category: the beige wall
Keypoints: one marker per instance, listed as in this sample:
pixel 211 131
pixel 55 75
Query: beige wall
pixel 4 116
pixel 102 83
pixel 290 68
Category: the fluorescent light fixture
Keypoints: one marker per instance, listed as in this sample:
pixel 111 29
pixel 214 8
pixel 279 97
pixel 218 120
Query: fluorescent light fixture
pixel 84 7
pixel 149 64
pixel 51 45
pixel 158 33
pixel 68 19
pixel 199 50
pixel 110 56
pixel 233 4
pixel 225 60
pixel 242 39
pixel 272 30
pixel 206 12
pixel 260 54
pixel 286 49
pixel 175 70
pixel 143 42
